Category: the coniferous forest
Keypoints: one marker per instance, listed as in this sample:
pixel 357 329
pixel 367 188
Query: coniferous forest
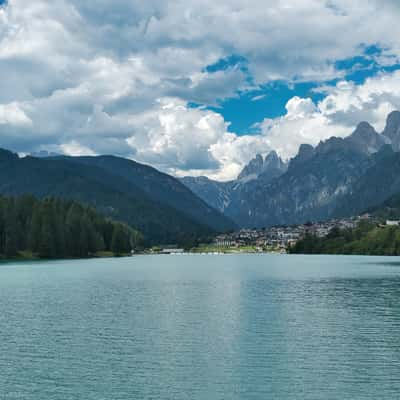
pixel 55 228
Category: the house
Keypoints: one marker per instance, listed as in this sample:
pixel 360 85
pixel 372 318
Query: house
pixel 392 222
pixel 172 251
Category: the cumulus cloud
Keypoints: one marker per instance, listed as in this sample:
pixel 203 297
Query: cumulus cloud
pixel 177 137
pixel 345 105
pixel 120 77
pixel 12 114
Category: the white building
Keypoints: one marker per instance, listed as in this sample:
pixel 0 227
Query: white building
pixel 172 251
pixel 392 222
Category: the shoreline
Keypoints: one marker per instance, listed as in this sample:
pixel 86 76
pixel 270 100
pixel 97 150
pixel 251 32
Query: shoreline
pixel 31 257
pixel 186 253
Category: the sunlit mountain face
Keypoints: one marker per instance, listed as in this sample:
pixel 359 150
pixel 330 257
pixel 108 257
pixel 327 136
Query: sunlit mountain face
pixel 194 88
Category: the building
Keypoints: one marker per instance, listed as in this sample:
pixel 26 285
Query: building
pixel 392 222
pixel 172 251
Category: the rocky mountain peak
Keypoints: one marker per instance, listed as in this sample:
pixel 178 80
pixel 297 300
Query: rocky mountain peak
pixel 392 129
pixel 306 151
pixel 364 129
pixel 253 168
pixel 272 159
pixel 272 164
pixel 365 139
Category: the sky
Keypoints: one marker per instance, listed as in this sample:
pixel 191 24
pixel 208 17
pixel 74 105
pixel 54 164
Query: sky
pixel 194 87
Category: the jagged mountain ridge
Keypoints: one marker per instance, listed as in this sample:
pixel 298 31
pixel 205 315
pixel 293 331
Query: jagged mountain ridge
pixel 271 166
pixel 225 195
pixel 316 184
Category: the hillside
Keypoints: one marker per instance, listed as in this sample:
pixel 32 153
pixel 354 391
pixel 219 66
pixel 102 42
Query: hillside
pixel 111 194
pixel 159 187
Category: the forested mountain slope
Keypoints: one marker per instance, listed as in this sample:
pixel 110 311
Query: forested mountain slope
pixel 110 194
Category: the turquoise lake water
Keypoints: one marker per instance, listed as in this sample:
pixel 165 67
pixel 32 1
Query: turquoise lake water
pixel 201 327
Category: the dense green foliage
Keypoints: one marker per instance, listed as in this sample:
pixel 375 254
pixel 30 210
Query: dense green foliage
pixel 54 228
pixel 367 238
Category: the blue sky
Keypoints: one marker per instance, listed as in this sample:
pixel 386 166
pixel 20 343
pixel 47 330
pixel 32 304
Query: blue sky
pixel 194 87
pixel 246 109
pixel 267 102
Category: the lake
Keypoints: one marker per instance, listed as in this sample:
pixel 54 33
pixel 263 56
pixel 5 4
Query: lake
pixel 201 327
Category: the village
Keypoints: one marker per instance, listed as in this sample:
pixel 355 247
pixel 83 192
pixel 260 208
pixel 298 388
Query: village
pixel 280 238
pixel 271 239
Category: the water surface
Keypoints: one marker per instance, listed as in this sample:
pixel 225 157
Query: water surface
pixel 201 327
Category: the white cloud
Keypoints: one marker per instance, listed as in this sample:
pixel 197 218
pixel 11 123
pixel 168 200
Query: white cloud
pixel 259 97
pixel 337 114
pixel 74 148
pixel 183 140
pixel 84 77
pixel 174 136
pixel 12 114
pixel 298 108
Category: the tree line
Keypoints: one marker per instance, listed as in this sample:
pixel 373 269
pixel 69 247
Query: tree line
pixel 55 228
pixel 365 239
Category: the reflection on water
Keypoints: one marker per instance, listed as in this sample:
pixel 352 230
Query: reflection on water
pixel 169 327
pixel 388 262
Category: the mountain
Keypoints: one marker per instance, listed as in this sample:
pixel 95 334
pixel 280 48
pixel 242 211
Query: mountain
pixel 308 190
pixel 159 187
pixel 381 180
pixel 306 152
pixel 225 196
pixel 317 181
pixel 392 129
pixel 339 176
pixel 217 194
pixel 389 209
pixel 366 139
pixel 253 168
pixel 112 194
pixel 44 154
pixel 271 167
pixel 378 183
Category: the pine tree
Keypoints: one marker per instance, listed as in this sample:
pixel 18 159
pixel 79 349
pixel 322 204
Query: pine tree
pixel 73 234
pixel 35 229
pixel 120 241
pixel 56 228
pixel 11 234
pixel 2 227
pixel 47 239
